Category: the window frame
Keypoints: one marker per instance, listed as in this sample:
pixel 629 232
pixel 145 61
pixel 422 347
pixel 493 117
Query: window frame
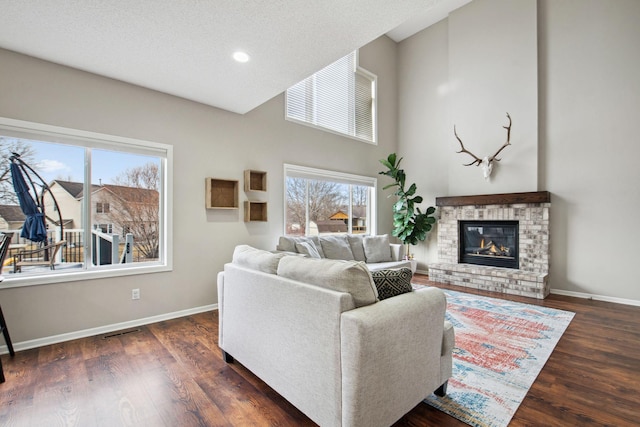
pixel 80 138
pixel 333 176
pixel 357 71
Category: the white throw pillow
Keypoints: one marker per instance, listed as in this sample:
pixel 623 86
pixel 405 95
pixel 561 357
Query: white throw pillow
pixel 377 248
pixel 352 277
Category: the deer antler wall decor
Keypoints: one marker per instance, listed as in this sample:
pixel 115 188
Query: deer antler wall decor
pixel 487 161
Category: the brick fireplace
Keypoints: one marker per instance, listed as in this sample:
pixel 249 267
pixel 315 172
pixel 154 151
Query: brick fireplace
pixel 531 213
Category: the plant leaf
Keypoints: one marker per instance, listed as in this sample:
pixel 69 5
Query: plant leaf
pixel 391 159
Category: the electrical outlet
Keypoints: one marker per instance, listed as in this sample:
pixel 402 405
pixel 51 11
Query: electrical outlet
pixel 135 293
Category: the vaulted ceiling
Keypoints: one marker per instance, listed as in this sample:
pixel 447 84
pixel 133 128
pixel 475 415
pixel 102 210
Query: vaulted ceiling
pixel 185 48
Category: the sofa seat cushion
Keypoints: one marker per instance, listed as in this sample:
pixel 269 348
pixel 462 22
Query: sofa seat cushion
pixel 377 248
pixel 257 259
pixel 392 282
pixel 391 264
pixel 352 277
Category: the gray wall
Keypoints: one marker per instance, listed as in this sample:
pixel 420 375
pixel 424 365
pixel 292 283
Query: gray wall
pixel 207 142
pixel 587 149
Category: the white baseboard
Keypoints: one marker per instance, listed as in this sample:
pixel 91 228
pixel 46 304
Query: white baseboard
pixel 596 297
pixel 583 295
pixel 55 339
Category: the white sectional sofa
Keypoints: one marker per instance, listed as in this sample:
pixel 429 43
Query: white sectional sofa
pixel 376 251
pixel 315 331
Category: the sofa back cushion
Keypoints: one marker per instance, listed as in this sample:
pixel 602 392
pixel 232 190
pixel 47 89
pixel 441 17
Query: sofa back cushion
pixel 336 247
pixel 377 248
pixel 352 277
pixel 257 259
pixel 355 241
pixel 288 243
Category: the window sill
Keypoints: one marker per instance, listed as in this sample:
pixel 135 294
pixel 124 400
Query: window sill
pixel 18 281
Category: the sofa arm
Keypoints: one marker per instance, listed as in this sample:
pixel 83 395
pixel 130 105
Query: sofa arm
pixel 391 356
pixel 397 251
pixel 220 286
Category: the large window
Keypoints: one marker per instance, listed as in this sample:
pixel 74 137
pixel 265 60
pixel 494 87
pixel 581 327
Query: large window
pixel 321 202
pixel 340 98
pixel 104 197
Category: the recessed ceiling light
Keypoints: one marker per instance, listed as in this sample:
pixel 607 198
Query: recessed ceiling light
pixel 240 56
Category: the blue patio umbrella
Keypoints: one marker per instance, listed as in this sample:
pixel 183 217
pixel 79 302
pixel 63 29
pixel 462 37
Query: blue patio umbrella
pixel 34 228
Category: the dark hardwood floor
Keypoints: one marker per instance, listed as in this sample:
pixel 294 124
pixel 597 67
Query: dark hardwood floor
pixel 172 374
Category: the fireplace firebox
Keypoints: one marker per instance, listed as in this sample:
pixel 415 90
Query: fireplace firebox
pixel 491 243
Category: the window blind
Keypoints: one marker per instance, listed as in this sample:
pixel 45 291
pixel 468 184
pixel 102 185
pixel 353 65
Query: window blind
pixel 340 98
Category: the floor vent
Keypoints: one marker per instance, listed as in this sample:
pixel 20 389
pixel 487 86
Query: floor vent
pixel 119 333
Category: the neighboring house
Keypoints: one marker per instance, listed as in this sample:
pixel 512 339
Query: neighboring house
pixel 337 223
pixel 68 194
pixel 114 208
pixel 11 217
pixel 119 209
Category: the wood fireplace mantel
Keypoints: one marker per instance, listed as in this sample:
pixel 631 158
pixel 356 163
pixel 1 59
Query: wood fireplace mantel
pixel 495 199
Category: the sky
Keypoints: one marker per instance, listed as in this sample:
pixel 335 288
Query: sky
pixel 66 162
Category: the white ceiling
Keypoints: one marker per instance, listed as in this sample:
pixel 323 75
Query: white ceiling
pixel 184 48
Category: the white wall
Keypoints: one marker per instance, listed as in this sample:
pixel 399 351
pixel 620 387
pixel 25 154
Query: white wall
pixel 590 145
pixel 588 105
pixel 424 131
pixel 207 142
pixel 492 72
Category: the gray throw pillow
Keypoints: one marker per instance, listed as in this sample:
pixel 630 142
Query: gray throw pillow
pixel 308 248
pixel 377 248
pixel 392 282
pixel 286 244
pixel 336 247
pixel 257 259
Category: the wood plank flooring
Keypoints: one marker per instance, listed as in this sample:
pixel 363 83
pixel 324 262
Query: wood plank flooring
pixel 172 374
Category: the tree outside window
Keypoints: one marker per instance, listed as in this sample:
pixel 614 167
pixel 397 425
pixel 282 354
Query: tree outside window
pixel 327 206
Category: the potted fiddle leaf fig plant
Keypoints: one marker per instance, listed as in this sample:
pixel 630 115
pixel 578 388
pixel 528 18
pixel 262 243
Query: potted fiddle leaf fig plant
pixel 410 224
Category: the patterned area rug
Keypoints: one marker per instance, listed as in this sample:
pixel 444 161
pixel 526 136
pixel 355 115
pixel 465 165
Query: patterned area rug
pixel 501 347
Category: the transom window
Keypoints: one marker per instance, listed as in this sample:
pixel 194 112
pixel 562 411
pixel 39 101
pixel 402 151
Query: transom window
pixel 319 202
pixel 340 98
pixel 103 200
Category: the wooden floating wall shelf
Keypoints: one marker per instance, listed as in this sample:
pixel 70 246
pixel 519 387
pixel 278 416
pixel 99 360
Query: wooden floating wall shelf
pixel 255 211
pixel 255 180
pixel 221 193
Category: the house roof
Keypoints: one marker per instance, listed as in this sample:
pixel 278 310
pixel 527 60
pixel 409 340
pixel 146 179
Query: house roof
pixel 132 194
pixel 128 194
pixel 356 211
pixel 73 188
pixel 11 213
